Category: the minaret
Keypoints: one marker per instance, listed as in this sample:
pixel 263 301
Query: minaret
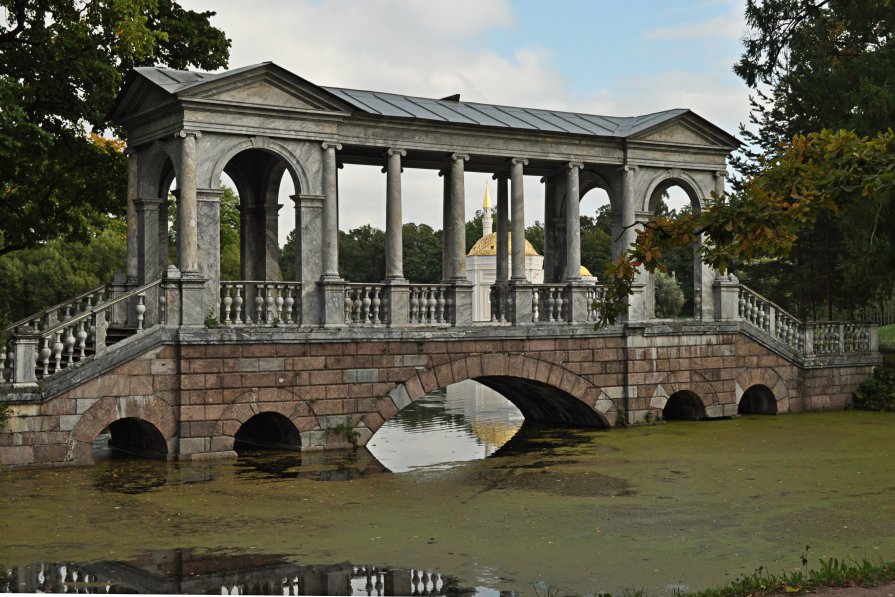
pixel 486 213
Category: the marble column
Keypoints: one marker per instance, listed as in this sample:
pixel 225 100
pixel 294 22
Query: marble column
pixel 330 213
pixel 133 258
pixel 549 252
pixel 446 226
pixel 503 188
pixel 517 205
pixel 271 259
pixel 209 210
pixel 149 265
pixel 458 217
pixel 394 250
pixel 573 223
pixel 637 303
pixel 308 267
pixel 187 207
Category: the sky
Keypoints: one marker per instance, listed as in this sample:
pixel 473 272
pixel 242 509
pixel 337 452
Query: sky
pixel 594 56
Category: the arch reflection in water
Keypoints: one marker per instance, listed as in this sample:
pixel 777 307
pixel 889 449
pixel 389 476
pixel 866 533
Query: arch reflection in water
pixel 468 421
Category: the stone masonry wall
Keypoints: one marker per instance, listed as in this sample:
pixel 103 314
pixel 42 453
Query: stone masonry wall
pixel 198 396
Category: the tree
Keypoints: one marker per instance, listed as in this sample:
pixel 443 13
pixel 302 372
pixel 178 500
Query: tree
pixel 813 177
pixel 813 65
pixel 230 245
pixel 422 254
pixel 362 254
pixel 62 63
pixel 669 296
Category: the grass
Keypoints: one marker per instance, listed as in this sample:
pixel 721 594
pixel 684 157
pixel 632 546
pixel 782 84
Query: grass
pixel 831 573
pixel 887 335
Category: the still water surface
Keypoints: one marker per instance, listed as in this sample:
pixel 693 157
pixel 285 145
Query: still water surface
pixel 687 504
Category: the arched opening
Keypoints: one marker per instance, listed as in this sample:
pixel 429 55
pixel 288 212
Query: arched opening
pixel 676 292
pixel 267 431
pixel 256 183
pixel 473 419
pixel 596 232
pixel 758 400
pixel 133 437
pixel 684 406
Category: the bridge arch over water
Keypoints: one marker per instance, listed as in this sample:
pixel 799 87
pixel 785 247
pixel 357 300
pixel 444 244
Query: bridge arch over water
pixel 542 391
pixel 146 426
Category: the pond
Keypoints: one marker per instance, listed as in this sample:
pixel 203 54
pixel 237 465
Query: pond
pixel 458 496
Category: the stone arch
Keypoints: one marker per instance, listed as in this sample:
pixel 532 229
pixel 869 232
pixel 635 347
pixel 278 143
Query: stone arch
pixel 590 180
pixel 684 404
pixel 158 168
pixel 564 398
pixel 293 164
pixel 683 382
pixel 669 178
pixel 105 411
pixel 263 400
pixel 767 377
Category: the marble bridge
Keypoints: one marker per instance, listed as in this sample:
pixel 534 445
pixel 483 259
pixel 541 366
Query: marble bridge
pixel 175 362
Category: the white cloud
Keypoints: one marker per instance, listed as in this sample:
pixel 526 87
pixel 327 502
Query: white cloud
pixel 729 26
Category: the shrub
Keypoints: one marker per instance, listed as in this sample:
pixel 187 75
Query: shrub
pixel 878 391
pixel 669 296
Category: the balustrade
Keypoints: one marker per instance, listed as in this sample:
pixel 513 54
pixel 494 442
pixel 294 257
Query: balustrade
pixel 363 304
pixel 429 304
pixel 248 302
pixel 39 348
pixel 549 303
pixel 769 317
pixel 594 294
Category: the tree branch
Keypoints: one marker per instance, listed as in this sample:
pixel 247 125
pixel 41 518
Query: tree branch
pixel 10 35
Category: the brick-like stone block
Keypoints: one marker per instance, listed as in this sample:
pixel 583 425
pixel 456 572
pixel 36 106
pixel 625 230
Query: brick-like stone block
pixel 444 375
pixel 325 350
pixel 494 364
pixel 222 351
pixel 399 397
pixel 326 377
pixel 337 391
pixel 259 350
pixel 192 413
pixel 363 375
pixel 16 455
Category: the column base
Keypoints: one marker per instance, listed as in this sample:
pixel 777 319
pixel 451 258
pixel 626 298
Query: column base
pixel 520 302
pixel 332 307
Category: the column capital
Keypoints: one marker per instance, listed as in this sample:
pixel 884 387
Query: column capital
pixel 575 164
pixel 184 133
pixel 460 156
pixel 523 161
pixel 627 168
pixel 331 145
pixel 397 151
pixel 720 173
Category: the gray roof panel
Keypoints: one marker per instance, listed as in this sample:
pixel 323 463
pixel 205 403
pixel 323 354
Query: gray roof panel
pixel 405 106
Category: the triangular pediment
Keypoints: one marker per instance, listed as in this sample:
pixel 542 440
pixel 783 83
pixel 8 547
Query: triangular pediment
pixel 686 129
pixel 269 86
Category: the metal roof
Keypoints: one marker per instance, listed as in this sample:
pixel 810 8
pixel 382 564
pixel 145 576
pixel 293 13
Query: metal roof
pixel 394 105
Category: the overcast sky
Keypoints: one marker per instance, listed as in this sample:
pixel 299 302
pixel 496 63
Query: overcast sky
pixel 594 56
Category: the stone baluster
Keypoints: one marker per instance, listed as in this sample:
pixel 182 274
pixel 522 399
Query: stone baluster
pixel 559 305
pixel 414 305
pixel 551 304
pixel 289 304
pixel 82 340
pixel 69 345
pixel 441 304
pixel 141 311
pixel 535 304
pixel 433 306
pixel 374 305
pixel 237 304
pixel 226 303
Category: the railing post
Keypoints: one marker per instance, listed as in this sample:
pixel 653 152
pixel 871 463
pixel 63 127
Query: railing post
pixel 809 339
pixel 520 303
pixel 727 295
pixel 579 306
pixel 396 296
pixel 873 340
pixel 171 288
pixel 24 345
pixel 462 303
pixel 121 315
pixel 332 308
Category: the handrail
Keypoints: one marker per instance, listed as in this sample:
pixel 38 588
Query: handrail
pixel 11 327
pixel 103 307
pixel 771 303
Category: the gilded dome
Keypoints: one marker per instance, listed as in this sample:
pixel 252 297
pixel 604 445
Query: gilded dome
pixel 586 272
pixel 487 246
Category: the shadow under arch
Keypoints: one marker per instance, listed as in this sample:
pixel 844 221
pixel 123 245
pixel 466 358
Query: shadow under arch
pixel 543 391
pixel 758 400
pixel 267 430
pixel 278 154
pixel 684 406
pixel 282 401
pixel 146 416
pixel 137 437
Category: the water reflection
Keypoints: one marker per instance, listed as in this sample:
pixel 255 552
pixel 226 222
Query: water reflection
pixel 466 422
pixel 185 571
